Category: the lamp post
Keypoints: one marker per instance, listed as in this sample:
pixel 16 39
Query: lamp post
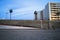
pixel 10 11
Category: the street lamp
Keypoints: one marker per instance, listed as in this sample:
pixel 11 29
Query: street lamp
pixel 10 11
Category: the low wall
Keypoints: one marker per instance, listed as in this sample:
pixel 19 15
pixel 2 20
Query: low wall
pixel 30 23
pixel 56 24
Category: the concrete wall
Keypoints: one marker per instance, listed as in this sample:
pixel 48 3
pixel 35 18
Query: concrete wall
pixel 30 23
pixel 56 24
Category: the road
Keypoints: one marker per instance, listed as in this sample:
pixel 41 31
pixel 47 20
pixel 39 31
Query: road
pixel 31 34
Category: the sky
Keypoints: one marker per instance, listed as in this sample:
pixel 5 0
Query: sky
pixel 22 9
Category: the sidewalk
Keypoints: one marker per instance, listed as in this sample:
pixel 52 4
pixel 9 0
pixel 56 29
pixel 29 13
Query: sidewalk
pixel 15 27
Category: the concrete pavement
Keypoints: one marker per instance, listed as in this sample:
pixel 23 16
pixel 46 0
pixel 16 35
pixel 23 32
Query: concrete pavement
pixel 31 34
pixel 15 27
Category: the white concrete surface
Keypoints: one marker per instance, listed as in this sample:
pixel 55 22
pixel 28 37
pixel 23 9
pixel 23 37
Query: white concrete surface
pixel 15 27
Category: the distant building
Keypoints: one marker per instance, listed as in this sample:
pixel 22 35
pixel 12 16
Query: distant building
pixel 38 15
pixel 41 15
pixel 51 10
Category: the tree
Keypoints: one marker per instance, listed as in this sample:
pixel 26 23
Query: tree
pixel 10 11
pixel 35 12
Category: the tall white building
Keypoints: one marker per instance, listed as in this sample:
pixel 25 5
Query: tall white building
pixel 51 11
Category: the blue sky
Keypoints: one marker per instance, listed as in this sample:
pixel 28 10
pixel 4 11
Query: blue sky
pixel 22 9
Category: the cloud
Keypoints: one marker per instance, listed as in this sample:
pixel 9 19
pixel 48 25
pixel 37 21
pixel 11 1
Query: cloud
pixel 25 8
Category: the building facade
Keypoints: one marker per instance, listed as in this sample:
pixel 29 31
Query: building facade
pixel 52 11
pixel 41 15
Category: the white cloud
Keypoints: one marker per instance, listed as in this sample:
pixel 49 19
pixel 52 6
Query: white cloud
pixel 23 10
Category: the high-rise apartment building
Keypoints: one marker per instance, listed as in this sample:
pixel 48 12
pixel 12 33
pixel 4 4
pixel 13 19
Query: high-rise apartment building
pixel 52 11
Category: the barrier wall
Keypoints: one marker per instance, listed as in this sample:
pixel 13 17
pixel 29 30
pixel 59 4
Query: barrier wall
pixel 30 23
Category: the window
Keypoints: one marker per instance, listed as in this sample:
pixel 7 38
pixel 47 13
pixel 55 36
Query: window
pixel 53 4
